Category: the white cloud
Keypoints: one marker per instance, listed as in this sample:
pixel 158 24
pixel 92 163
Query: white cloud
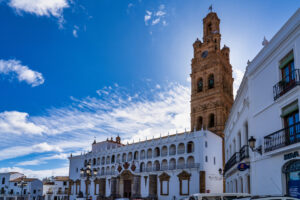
pixel 147 16
pixel 156 17
pixel 73 128
pixel 40 7
pixel 23 73
pixel 17 123
pixel 160 13
pixel 63 171
pixel 238 77
pixel 30 163
pixel 60 156
pixel 75 31
pixel 155 21
pixel 17 151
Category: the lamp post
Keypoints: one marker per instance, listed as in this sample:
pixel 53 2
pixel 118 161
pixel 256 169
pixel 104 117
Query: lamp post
pixel 22 184
pixel 87 172
pixel 252 142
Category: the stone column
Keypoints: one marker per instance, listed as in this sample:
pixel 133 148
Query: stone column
pixel 136 189
pixel 118 187
pixel 113 187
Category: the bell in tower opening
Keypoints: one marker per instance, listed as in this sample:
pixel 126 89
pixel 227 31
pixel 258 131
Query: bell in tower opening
pixel 212 82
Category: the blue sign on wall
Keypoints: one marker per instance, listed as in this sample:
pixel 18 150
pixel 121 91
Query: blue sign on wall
pixel 294 188
pixel 243 166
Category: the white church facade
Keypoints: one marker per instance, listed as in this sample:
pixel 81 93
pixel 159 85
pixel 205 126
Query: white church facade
pixel 170 167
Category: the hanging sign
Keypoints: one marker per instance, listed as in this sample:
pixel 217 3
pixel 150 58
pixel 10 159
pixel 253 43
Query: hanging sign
pixel 242 166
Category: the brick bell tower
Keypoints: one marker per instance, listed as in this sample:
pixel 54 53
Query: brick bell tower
pixel 212 82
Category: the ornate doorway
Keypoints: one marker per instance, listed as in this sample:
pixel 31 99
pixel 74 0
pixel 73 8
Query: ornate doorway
pixel 126 178
pixel 127 188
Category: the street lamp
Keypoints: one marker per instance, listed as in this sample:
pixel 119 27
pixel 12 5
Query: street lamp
pixel 88 173
pixel 221 171
pixel 22 184
pixel 252 142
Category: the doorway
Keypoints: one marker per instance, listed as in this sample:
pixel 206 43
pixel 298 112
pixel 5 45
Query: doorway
pixel 127 188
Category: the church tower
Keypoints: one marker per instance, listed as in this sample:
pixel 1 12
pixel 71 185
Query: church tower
pixel 212 82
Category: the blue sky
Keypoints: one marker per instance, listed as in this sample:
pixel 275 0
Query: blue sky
pixel 74 70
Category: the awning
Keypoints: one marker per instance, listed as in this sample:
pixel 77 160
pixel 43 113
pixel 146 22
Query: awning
pixel 289 109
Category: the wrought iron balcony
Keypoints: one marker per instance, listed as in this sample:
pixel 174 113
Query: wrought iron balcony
pixel 284 137
pixel 286 84
pixel 244 152
pixel 170 167
pixel 232 161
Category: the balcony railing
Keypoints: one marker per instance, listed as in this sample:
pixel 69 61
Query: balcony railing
pixel 170 167
pixel 149 169
pixel 232 161
pixel 171 153
pixel 164 167
pixel 164 153
pixel 286 84
pixel 180 151
pixel 244 152
pixel 284 137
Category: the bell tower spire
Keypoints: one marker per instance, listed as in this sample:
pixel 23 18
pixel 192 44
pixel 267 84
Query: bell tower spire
pixel 211 30
pixel 212 82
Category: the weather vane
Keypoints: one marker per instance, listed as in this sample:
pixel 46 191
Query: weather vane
pixel 210 8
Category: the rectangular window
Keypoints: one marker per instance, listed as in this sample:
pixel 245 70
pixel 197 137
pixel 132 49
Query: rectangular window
pixel 165 188
pixel 287 68
pixel 214 160
pixel 206 159
pixel 185 187
pixel 290 115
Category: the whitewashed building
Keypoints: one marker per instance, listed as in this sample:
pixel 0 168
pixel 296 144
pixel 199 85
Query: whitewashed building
pixel 15 186
pixel 56 188
pixel 266 111
pixel 169 167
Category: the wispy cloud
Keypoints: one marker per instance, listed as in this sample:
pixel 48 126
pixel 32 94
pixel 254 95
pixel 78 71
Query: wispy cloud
pixel 17 151
pixel 22 72
pixel 75 31
pixel 156 17
pixel 30 163
pixel 63 171
pixel 154 111
pixel 42 160
pixel 238 77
